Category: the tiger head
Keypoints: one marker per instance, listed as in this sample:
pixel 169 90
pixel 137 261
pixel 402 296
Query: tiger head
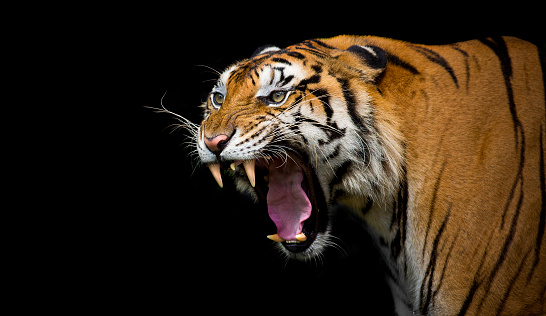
pixel 304 128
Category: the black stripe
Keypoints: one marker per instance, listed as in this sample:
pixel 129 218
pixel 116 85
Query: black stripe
pixel 296 131
pixel 431 268
pixel 504 251
pixel 467 66
pixel 286 80
pixel 333 154
pixel 295 55
pixel 351 105
pixel 437 59
pixel 399 217
pixel 403 208
pixel 324 100
pixel 499 48
pixel 469 297
pixel 321 43
pixel 312 50
pixel 300 118
pixel 519 177
pixel 477 282
pixel 303 84
pixel 281 70
pixel 367 207
pixel 324 97
pixel 433 203
pixel 281 60
pixel 339 173
pixel 394 60
pixel 446 260
pixel 317 68
pixel 542 219
pixel 512 282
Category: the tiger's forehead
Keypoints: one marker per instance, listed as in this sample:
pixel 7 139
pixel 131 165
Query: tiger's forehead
pixel 265 73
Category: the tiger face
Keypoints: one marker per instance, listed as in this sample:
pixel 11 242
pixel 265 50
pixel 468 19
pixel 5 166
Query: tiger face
pixel 300 129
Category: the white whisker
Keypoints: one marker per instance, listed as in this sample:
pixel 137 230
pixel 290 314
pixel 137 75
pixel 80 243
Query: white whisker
pixel 191 139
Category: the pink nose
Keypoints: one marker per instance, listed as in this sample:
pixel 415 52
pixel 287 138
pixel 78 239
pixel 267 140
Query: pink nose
pixel 217 143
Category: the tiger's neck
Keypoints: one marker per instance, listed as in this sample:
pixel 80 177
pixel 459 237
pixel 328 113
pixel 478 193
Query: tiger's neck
pixel 387 224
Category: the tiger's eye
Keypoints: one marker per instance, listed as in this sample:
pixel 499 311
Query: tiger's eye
pixel 218 98
pixel 278 96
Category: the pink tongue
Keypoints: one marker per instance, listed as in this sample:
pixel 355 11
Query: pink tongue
pixel 287 203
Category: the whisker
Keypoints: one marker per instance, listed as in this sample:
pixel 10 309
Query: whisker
pixel 208 67
pixel 189 140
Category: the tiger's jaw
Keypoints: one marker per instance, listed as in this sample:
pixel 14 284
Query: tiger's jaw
pixel 295 201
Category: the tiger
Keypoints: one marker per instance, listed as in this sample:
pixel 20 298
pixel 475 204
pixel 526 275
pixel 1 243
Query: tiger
pixel 439 149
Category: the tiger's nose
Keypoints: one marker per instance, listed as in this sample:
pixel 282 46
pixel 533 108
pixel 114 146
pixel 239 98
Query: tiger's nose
pixel 217 143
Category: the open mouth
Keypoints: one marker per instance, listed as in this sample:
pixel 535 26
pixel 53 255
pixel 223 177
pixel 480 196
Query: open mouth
pixel 295 201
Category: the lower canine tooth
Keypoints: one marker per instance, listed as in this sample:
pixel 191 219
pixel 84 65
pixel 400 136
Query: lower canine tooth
pixel 275 237
pixel 250 172
pixel 301 237
pixel 215 170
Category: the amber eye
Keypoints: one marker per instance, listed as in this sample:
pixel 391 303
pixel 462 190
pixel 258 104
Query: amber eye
pixel 277 96
pixel 217 99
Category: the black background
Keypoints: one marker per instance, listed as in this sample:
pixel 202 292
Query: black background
pixel 152 230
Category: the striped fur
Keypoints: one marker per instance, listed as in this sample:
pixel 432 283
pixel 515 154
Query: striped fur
pixel 439 148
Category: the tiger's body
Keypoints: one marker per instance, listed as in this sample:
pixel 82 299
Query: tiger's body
pixel 439 148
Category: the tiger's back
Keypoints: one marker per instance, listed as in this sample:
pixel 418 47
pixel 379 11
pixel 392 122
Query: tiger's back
pixel 439 148
pixel 474 127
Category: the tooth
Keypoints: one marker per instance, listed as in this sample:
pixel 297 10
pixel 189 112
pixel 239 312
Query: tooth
pixel 215 170
pixel 234 164
pixel 275 237
pixel 249 168
pixel 301 237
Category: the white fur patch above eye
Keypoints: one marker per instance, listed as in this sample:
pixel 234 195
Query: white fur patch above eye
pixel 279 77
pixel 267 84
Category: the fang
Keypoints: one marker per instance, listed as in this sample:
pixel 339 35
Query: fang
pixel 250 171
pixel 215 170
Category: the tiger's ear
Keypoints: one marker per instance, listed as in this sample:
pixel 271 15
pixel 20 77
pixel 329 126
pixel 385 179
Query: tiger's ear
pixel 371 60
pixel 265 49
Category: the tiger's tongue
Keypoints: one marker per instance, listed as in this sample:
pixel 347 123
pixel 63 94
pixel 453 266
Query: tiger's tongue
pixel 287 203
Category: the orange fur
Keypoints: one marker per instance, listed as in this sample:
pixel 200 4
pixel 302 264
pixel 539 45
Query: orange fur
pixel 467 123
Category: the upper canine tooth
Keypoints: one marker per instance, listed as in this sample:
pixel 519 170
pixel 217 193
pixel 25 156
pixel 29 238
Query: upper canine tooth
pixel 215 170
pixel 250 172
